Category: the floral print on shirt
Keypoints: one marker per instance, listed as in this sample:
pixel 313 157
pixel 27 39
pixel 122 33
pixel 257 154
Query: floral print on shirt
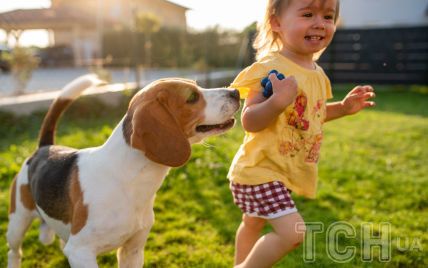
pixel 296 116
pixel 298 141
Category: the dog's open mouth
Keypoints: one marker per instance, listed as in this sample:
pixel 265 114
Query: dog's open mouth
pixel 218 127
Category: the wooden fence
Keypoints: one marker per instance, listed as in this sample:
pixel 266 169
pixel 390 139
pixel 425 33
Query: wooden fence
pixel 383 56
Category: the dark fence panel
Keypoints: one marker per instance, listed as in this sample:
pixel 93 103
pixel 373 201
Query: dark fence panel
pixel 392 56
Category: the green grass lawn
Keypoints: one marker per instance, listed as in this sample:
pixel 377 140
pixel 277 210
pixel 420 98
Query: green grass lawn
pixel 373 170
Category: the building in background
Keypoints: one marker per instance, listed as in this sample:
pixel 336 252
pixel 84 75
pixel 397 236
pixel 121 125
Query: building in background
pixel 78 25
pixel 364 14
pixel 382 41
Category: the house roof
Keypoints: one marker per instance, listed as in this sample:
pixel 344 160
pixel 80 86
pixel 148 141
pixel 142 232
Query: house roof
pixel 56 17
pixel 175 4
pixel 39 18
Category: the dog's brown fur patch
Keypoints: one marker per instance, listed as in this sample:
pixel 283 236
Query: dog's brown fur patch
pixel 12 206
pixel 160 120
pixel 80 210
pixel 47 131
pixel 26 197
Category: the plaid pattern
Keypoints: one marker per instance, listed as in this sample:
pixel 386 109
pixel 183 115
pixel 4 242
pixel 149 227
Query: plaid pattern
pixel 269 200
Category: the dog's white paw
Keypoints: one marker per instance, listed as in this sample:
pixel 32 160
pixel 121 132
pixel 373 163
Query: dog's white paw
pixel 46 235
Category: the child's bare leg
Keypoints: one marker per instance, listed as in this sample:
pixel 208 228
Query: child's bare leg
pixel 246 236
pixel 271 247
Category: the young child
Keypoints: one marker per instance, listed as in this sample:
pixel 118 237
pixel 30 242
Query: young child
pixel 284 131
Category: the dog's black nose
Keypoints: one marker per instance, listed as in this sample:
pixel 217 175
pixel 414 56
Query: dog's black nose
pixel 234 94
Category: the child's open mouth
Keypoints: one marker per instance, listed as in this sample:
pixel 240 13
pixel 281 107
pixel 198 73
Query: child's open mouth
pixel 314 37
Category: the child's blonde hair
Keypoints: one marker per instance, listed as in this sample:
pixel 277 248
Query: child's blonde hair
pixel 267 40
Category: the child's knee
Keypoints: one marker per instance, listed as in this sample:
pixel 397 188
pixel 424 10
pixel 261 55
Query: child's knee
pixel 254 223
pixel 299 238
pixel 299 234
pixel 292 240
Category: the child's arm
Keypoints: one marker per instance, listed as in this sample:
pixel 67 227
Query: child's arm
pixel 355 101
pixel 259 112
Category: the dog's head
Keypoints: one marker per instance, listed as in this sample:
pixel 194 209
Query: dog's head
pixel 166 116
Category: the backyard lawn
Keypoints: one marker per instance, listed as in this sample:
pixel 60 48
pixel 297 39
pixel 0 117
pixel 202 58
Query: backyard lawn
pixel 373 170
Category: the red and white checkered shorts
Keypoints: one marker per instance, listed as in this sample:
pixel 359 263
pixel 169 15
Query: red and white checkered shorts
pixel 268 200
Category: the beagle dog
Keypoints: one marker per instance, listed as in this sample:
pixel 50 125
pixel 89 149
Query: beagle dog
pixel 99 199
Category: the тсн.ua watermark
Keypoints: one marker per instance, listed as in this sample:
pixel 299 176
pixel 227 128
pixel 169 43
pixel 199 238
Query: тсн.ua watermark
pixel 369 241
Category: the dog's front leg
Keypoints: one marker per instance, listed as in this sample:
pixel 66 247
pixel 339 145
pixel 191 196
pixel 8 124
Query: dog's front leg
pixel 131 254
pixel 80 256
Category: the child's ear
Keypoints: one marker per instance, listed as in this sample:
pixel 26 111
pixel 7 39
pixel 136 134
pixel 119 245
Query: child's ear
pixel 274 23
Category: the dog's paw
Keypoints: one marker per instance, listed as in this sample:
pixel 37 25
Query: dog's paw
pixel 46 235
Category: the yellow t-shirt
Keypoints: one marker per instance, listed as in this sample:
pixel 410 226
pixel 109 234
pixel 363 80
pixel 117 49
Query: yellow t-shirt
pixel 288 149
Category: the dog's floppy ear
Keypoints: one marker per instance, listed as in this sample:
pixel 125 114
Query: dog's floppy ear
pixel 157 133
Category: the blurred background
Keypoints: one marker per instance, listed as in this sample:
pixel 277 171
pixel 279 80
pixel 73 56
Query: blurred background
pixel 45 43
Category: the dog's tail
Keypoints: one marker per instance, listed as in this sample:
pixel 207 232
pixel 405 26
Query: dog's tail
pixel 68 94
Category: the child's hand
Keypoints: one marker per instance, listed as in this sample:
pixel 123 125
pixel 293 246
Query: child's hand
pixel 284 91
pixel 356 100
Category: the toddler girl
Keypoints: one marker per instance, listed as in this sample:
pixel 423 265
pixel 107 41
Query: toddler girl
pixel 283 138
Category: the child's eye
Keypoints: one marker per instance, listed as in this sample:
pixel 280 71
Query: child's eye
pixel 307 15
pixel 329 17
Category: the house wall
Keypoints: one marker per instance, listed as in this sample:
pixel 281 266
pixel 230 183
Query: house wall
pixel 170 15
pixel 383 13
pixel 85 42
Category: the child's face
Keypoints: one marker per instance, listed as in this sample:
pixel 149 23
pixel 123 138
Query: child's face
pixel 306 26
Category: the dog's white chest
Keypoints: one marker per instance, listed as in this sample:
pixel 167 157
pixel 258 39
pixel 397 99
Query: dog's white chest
pixel 120 206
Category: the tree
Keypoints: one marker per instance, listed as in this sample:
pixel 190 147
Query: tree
pixel 147 24
pixel 23 63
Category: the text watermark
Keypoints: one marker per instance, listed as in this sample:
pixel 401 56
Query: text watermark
pixel 372 238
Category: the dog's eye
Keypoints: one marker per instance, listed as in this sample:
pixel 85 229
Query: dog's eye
pixel 193 98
